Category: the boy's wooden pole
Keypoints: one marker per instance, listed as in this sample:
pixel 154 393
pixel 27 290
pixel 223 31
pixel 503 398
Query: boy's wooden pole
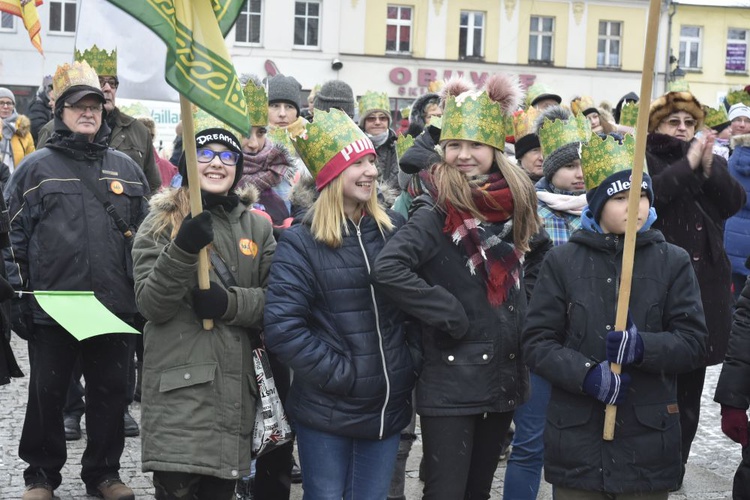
pixel 194 186
pixel 626 277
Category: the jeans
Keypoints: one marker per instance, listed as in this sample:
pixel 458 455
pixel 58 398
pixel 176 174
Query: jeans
pixel 336 467
pixel 461 454
pixel 104 363
pixel 524 471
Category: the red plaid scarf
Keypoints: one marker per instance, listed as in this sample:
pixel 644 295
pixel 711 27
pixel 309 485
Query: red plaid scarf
pixel 488 245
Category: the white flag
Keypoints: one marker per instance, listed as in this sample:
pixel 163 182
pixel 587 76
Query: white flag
pixel 141 54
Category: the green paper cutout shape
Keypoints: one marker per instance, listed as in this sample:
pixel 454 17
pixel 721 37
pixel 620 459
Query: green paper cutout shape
pixel 81 314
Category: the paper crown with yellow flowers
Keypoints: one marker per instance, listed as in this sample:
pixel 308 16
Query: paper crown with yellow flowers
pixel 583 105
pixel 205 121
pixel 404 142
pixel 484 116
pixel 715 116
pixel 539 91
pixel 601 158
pixel 629 114
pixel 555 134
pixel 257 103
pixel 374 101
pixel 329 144
pixel 681 85
pixel 523 122
pixel 71 75
pixel 103 62
pixel 738 96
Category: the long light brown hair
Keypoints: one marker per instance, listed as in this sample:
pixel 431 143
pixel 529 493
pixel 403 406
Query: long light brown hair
pixel 452 185
pixel 328 220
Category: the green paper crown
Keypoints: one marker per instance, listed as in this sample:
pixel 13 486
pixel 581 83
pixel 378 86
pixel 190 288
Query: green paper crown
pixel 103 62
pixel 629 114
pixel 681 85
pixel 715 116
pixel 374 101
pixel 257 104
pixel 318 142
pixel 738 96
pixel 204 121
pixel 403 143
pixel 279 135
pixel 473 116
pixel 555 134
pixel 535 91
pixel 601 158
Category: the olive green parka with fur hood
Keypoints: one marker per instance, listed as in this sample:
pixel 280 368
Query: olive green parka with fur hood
pixel 199 389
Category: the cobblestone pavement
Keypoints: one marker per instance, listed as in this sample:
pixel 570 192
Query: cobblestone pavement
pixel 712 462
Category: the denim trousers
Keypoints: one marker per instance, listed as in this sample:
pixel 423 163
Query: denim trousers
pixel 336 467
pixel 524 471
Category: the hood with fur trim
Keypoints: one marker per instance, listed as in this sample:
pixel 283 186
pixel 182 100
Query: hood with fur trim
pixel 165 202
pixel 23 126
pixel 671 102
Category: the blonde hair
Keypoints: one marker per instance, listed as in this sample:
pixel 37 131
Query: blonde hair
pixel 328 220
pixel 452 185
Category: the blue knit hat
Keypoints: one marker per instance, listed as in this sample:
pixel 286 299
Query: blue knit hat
pixel 615 183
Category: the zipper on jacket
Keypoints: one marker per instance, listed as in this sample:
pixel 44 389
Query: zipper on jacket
pixel 380 336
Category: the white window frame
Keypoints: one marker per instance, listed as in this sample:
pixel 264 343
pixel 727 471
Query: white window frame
pixel 399 23
pixel 62 31
pixel 608 38
pixel 249 14
pixel 686 44
pixel 307 17
pixel 540 34
pixel 13 24
pixel 738 42
pixel 470 29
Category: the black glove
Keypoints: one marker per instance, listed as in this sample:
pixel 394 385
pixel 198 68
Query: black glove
pixel 211 303
pixel 195 233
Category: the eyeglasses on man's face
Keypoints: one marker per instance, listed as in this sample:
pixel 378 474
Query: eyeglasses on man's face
pixel 112 82
pixel 228 158
pixel 84 108
pixel 675 122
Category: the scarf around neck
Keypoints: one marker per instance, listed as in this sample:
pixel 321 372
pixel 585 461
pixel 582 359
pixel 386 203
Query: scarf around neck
pixel 488 244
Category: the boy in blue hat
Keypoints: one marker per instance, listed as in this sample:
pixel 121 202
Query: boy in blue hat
pixel 570 339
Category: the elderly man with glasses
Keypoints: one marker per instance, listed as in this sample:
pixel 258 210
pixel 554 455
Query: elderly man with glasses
pixel 64 238
pixel 15 141
pixel 694 195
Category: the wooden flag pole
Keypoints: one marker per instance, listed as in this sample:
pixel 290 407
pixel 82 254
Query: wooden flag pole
pixel 626 276
pixel 194 187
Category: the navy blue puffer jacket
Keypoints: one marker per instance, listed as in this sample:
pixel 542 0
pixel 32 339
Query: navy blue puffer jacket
pixel 353 372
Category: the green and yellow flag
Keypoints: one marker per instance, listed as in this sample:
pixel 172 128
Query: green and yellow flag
pixel 198 63
pixel 26 10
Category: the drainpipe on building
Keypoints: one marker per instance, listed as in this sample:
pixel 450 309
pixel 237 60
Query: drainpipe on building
pixel 668 65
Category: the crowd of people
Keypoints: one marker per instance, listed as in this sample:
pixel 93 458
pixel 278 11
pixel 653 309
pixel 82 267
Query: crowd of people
pixel 463 267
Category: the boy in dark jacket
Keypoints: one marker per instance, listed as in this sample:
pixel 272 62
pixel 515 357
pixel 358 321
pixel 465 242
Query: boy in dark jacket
pixel 569 339
pixel 733 391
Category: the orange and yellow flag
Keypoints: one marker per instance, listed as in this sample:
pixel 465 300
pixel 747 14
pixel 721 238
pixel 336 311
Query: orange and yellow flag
pixel 26 10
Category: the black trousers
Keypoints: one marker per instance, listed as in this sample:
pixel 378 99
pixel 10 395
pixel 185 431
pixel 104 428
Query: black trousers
pixel 689 391
pixel 461 454
pixel 185 486
pixel 741 488
pixel 104 363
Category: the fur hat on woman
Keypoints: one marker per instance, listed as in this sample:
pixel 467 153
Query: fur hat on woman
pixel 672 102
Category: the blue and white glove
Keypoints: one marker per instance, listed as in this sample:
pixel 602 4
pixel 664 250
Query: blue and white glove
pixel 607 387
pixel 625 347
